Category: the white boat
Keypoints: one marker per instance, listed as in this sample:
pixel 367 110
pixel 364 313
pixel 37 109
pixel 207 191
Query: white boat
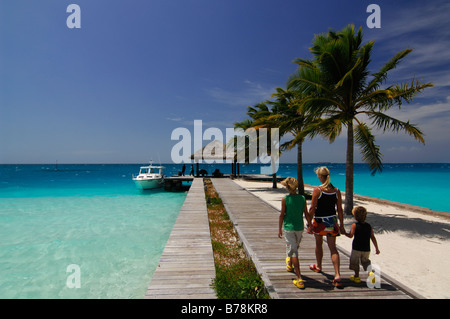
pixel 150 177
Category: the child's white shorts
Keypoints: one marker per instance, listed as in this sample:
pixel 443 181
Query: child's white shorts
pixel 293 239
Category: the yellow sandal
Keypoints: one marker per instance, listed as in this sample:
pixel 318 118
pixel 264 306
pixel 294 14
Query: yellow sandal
pixel 356 280
pixel 299 283
pixel 288 268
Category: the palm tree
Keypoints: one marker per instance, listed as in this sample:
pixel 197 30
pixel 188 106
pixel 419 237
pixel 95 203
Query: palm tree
pixel 289 120
pixel 337 85
pixel 260 118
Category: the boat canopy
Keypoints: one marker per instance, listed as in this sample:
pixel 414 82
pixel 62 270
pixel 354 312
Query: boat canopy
pixel 151 170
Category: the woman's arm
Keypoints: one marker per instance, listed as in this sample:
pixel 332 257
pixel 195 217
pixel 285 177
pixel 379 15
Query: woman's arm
pixel 340 211
pixel 312 209
pixel 305 212
pixel 315 197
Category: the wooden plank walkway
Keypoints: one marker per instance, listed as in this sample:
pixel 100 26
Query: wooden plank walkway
pixel 186 267
pixel 257 225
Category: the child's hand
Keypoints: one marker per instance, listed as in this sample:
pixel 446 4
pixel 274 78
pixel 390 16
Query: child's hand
pixel 377 251
pixel 280 234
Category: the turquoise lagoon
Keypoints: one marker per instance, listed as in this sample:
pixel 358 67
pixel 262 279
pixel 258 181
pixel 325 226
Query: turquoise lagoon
pixel 91 216
pixel 94 217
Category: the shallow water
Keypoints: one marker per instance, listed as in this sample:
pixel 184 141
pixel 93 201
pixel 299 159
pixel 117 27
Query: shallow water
pixel 114 233
pixel 93 217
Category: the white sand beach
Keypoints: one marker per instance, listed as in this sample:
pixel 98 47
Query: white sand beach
pixel 414 245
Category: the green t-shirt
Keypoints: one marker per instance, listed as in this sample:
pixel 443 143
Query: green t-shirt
pixel 293 215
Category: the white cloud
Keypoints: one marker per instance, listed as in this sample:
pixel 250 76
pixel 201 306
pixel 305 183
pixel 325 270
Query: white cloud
pixel 404 149
pixel 432 119
pixel 250 94
pixel 424 28
pixel 174 119
pixel 440 110
pixel 430 16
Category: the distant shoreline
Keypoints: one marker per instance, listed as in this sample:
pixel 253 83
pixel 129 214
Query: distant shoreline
pixel 167 163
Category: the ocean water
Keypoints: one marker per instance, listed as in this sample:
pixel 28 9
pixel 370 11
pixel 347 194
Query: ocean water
pixel 93 217
pixel 420 184
pixel 90 216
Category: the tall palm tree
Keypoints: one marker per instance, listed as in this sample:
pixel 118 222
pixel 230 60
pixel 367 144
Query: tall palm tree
pixel 336 82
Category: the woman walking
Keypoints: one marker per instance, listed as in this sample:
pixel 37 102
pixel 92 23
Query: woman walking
pixel 326 201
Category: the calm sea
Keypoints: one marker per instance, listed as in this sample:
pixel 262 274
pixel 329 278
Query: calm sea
pixel 422 184
pixel 93 217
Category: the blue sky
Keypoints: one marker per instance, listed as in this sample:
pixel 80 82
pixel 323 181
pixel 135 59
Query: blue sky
pixel 115 89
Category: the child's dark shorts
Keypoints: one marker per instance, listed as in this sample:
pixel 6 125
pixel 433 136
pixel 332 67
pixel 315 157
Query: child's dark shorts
pixel 358 257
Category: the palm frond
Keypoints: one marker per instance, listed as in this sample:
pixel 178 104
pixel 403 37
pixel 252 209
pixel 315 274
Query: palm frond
pixel 349 74
pixel 306 63
pixel 329 128
pixel 370 151
pixel 405 92
pixel 307 81
pixel 376 100
pixel 245 124
pixel 381 76
pixel 386 122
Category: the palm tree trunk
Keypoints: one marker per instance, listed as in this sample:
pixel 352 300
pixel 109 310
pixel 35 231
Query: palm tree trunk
pixel 301 185
pixel 349 172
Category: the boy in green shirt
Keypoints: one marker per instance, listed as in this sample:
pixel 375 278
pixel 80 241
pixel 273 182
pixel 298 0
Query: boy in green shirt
pixel 293 207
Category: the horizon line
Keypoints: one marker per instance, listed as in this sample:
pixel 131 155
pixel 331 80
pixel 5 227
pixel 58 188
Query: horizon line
pixel 167 163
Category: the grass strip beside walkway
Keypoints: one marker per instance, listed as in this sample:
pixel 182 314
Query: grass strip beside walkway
pixel 236 275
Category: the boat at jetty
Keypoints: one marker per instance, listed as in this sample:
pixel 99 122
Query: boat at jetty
pixel 150 177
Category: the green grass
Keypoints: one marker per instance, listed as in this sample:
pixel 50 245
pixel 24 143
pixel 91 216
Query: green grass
pixel 239 281
pixel 236 275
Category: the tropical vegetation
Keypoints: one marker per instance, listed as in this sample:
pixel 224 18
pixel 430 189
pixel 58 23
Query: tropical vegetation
pixel 335 90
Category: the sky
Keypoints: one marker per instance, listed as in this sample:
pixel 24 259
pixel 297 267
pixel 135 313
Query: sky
pixel 114 90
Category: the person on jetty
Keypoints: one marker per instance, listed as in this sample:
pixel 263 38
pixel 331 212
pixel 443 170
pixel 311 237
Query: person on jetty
pixel 293 207
pixel 326 200
pixel 363 233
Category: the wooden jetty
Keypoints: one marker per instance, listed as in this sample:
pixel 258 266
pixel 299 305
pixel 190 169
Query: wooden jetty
pixel 175 183
pixel 260 177
pixel 257 225
pixel 186 268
